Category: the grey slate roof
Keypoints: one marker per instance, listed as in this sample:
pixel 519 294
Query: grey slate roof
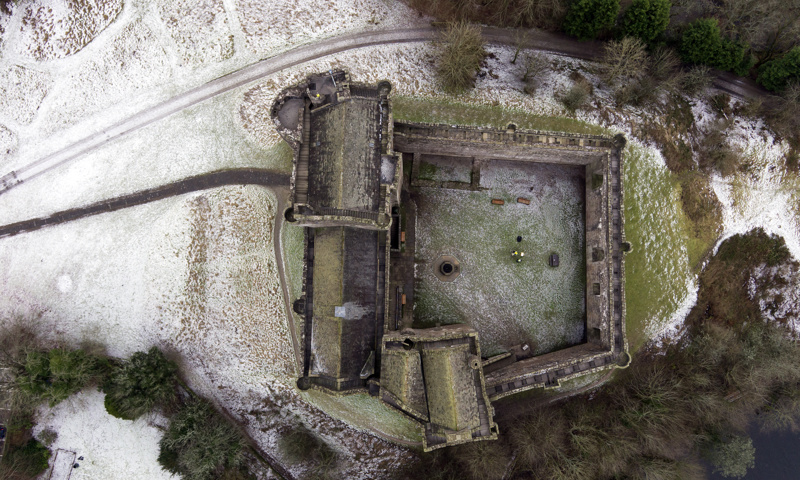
pixel 345 301
pixel 345 158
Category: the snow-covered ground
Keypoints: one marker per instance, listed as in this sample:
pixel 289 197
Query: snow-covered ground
pixel 104 447
pixel 196 274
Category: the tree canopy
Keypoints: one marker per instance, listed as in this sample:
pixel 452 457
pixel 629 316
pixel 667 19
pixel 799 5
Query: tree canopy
pixel 778 73
pixel 586 18
pixel 141 383
pixel 703 43
pixel 646 19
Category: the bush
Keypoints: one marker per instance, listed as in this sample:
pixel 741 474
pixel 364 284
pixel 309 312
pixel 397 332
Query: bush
pixel 777 74
pixel 701 206
pixel 575 97
pixel 702 43
pixel 461 54
pixel 48 436
pixel 646 19
pixel 485 460
pixel 302 446
pixel 586 18
pixel 199 443
pixel 696 80
pixel 714 153
pixel 664 64
pixel 141 383
pixel 56 374
pixel 547 14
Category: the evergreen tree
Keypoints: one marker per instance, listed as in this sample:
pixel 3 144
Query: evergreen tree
pixel 141 383
pixel 56 374
pixel 778 73
pixel 586 18
pixel 646 19
pixel 702 43
pixel 200 444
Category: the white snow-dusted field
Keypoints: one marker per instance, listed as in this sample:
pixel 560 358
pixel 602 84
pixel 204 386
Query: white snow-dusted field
pixel 197 274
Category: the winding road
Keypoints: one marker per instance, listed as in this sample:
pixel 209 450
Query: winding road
pixel 555 43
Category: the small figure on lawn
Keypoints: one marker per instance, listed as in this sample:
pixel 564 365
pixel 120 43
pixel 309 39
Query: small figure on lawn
pixel 517 255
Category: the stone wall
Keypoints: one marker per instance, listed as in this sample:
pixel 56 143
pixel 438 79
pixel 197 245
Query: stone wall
pixel 606 344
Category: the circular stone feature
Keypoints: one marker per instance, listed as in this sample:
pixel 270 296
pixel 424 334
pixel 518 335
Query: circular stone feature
pixel 447 268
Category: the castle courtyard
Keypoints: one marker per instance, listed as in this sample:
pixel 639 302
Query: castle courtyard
pixel 508 302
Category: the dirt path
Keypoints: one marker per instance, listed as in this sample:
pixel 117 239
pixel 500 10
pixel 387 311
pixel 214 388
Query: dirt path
pixel 545 41
pixel 243 176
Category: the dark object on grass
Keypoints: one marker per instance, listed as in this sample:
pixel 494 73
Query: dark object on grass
pixel 2 432
pixel 553 260
pixel 519 238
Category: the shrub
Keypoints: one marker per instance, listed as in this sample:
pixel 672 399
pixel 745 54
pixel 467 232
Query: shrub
pixel 302 446
pixel 586 18
pixel 702 43
pixel 483 460
pixel 646 19
pixel 696 80
pixel 777 74
pixel 575 97
pixel 141 383
pixel 547 14
pixel 461 54
pixel 199 443
pixel 664 64
pixel 48 436
pixel 701 205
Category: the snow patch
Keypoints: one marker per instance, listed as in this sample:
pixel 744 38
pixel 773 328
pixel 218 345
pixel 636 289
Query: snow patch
pixel 110 447
pixel 199 29
pixel 22 90
pixel 59 28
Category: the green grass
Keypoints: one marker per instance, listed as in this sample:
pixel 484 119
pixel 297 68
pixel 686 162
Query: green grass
pixel 293 246
pixel 659 267
pixel 410 109
pixel 427 171
pixel 278 157
pixel 364 412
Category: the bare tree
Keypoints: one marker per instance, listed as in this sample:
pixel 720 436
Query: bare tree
pixel 534 67
pixel 624 60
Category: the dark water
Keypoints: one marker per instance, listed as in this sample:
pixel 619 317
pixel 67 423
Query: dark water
pixel 777 457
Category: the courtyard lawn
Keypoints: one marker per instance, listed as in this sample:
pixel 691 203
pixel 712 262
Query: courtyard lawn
pixel 407 109
pixel 659 282
pixel 508 303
